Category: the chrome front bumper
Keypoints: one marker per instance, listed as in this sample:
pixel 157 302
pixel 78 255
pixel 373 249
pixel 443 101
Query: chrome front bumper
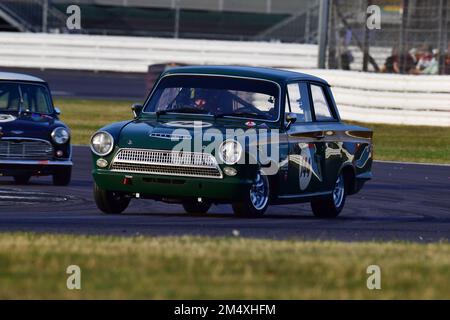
pixel 37 162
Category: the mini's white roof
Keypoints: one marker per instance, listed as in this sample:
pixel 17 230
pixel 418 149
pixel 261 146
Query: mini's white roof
pixel 18 77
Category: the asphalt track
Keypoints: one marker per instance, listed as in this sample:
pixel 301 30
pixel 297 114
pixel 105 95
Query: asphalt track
pixel 403 202
pixel 91 85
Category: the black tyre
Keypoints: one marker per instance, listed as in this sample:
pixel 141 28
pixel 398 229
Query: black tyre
pixel 22 179
pixel 62 176
pixel 256 200
pixel 332 205
pixel 110 202
pixel 193 207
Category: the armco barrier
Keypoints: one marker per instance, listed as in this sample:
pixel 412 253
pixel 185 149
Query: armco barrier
pixel 390 98
pixel 368 97
pixel 133 54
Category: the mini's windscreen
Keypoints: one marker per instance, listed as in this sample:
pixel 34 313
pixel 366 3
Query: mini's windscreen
pixel 24 97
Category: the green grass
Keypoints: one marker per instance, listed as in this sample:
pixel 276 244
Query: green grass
pixel 411 143
pixel 391 142
pixel 34 266
pixel 84 117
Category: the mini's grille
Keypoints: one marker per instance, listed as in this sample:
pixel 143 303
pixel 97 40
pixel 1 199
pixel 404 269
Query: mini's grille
pixel 22 149
pixel 160 162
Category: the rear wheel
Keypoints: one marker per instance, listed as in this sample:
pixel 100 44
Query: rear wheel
pixel 62 176
pixel 332 205
pixel 110 202
pixel 256 201
pixel 193 207
pixel 22 179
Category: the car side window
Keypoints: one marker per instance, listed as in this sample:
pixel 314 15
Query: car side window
pixel 299 101
pixel 4 99
pixel 322 109
pixel 9 97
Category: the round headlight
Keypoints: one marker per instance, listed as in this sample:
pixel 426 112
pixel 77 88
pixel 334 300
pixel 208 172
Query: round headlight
pixel 230 152
pixel 60 135
pixel 102 143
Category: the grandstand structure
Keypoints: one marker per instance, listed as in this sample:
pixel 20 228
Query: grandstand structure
pixel 269 20
pixel 405 25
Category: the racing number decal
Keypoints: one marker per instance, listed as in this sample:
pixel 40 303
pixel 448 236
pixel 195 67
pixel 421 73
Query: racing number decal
pixel 188 124
pixel 305 166
pixel 7 118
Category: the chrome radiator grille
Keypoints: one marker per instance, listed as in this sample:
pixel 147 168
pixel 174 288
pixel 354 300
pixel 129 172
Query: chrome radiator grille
pixel 161 162
pixel 25 149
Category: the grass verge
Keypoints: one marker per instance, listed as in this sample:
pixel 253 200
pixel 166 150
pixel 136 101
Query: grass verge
pixel 392 142
pixel 84 117
pixel 34 266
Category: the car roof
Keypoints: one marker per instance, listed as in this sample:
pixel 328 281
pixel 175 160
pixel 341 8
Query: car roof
pixel 277 75
pixel 18 77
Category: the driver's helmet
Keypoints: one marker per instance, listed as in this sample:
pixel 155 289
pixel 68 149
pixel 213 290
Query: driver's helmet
pixel 200 98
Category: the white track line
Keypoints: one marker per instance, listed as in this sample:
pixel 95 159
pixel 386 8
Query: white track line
pixel 26 198
pixel 415 163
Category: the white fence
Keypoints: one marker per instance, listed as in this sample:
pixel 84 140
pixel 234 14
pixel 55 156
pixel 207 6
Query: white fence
pixel 368 97
pixel 131 54
pixel 390 98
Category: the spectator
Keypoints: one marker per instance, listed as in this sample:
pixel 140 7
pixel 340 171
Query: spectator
pixel 346 59
pixel 408 61
pixel 391 64
pixel 396 63
pixel 447 60
pixel 433 65
pixel 411 60
pixel 345 55
pixel 425 60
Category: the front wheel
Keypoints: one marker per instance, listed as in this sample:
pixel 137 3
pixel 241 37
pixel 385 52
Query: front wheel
pixel 110 202
pixel 256 201
pixel 22 179
pixel 332 205
pixel 62 176
pixel 193 207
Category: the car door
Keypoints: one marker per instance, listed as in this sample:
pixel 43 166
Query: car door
pixel 329 127
pixel 306 147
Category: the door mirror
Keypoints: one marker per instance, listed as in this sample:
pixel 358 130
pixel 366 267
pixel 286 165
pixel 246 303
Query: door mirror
pixel 137 109
pixel 57 111
pixel 290 119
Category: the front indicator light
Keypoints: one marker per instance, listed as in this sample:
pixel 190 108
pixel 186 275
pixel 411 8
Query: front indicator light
pixel 230 171
pixel 102 163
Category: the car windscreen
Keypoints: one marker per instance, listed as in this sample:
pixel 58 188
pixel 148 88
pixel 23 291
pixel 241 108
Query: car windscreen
pixel 25 97
pixel 217 96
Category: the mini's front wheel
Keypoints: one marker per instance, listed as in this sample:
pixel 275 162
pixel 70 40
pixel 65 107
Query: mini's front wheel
pixel 110 202
pixel 193 207
pixel 22 179
pixel 256 201
pixel 62 176
pixel 332 205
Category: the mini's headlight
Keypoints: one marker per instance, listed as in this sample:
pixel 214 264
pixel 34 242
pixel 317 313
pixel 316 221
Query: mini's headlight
pixel 102 143
pixel 60 135
pixel 230 152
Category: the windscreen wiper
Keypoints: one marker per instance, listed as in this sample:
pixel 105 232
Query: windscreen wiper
pixel 182 110
pixel 241 114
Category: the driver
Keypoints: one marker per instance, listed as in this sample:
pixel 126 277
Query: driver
pixel 200 98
